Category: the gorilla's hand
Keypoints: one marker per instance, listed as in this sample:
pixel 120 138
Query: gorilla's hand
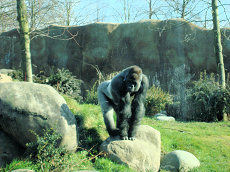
pixel 132 138
pixel 124 138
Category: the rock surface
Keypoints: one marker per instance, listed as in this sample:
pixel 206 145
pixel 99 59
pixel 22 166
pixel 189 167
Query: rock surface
pixel 179 161
pixel 143 154
pixel 163 117
pixel 5 78
pixel 27 107
pixel 6 71
pixel 23 170
pixel 9 149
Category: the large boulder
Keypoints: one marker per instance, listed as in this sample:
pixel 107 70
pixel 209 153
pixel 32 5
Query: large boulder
pixel 179 160
pixel 28 107
pixel 9 149
pixel 143 154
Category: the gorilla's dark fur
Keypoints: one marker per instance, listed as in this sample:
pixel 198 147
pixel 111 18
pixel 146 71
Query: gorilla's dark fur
pixel 115 95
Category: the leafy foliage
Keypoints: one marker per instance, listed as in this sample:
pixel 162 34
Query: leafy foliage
pixel 156 100
pixel 206 100
pixel 17 75
pixel 63 81
pixel 47 152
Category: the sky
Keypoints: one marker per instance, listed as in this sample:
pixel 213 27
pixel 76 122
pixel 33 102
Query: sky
pixel 112 11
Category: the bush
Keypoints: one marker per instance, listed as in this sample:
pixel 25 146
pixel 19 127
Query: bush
pixel 64 82
pixel 17 75
pixel 206 100
pixel 47 153
pixel 156 100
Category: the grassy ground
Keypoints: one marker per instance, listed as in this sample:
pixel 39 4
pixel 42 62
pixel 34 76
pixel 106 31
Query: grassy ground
pixel 209 142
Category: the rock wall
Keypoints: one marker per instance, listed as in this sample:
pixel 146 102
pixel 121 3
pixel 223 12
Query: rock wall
pixel 159 47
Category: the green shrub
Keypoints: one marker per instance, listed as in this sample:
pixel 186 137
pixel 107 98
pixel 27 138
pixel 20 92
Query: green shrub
pixel 156 100
pixel 47 152
pixel 64 82
pixel 206 100
pixel 17 75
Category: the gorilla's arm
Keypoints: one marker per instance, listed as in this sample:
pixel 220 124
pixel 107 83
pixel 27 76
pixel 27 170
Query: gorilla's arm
pixel 138 109
pixel 107 108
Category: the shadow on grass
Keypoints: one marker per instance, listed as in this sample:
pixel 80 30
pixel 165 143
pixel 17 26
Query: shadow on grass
pixel 89 138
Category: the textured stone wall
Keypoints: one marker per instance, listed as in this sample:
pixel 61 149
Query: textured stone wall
pixel 159 47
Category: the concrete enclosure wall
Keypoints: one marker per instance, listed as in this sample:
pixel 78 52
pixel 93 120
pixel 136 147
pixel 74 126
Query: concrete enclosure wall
pixel 159 47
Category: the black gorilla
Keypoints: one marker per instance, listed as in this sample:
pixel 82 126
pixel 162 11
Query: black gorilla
pixel 115 95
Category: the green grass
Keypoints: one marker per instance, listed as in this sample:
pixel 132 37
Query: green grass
pixel 209 142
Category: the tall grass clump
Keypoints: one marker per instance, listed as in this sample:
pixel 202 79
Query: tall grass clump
pixel 156 100
pixel 91 96
pixel 206 100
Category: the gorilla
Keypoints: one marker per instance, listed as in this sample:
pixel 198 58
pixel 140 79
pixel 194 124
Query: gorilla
pixel 116 94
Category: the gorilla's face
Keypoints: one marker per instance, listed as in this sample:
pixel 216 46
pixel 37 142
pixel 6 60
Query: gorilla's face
pixel 133 78
pixel 133 85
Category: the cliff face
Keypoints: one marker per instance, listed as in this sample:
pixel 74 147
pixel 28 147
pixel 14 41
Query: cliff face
pixel 159 47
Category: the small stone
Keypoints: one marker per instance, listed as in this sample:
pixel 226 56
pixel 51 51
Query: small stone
pixel 165 118
pixel 179 160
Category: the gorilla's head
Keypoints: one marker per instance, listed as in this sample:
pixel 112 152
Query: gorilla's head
pixel 133 79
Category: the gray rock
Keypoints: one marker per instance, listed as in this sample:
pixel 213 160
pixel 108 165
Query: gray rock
pixel 165 118
pixel 6 71
pixel 27 107
pixel 163 112
pixel 23 170
pixel 5 78
pixel 142 154
pixel 179 160
pixel 9 149
pixel 159 114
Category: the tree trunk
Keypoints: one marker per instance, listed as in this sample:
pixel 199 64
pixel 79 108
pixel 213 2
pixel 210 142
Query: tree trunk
pixel 217 43
pixel 150 9
pixel 183 9
pixel 24 40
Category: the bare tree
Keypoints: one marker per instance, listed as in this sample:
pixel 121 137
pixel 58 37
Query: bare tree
pixel 24 39
pixel 42 13
pixel 153 8
pixel 182 8
pixel 126 14
pixel 217 43
pixel 7 15
pixel 126 8
pixel 67 7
